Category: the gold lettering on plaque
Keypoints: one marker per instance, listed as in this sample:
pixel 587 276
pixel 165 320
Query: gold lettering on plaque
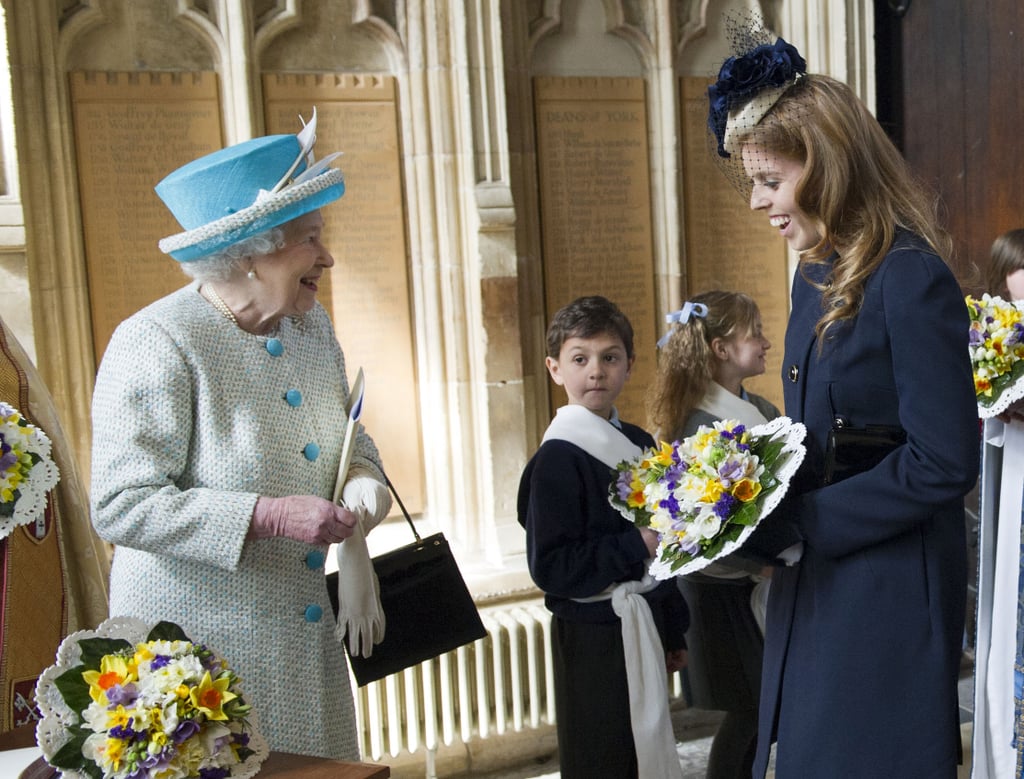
pixel 131 130
pixel 595 198
pixel 367 294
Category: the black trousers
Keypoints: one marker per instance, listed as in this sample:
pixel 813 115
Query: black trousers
pixel 595 738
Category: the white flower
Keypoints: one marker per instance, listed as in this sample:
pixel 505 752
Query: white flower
pixel 705 525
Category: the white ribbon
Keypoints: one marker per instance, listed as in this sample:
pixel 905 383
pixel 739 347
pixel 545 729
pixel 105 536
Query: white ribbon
pixel 647 679
pixel 646 675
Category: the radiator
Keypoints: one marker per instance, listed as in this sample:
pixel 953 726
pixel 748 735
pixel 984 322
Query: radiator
pixel 498 685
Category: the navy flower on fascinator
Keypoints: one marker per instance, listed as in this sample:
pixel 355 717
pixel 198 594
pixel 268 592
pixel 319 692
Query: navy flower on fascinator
pixel 742 77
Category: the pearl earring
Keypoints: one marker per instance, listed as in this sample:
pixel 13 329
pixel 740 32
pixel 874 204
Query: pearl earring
pixel 251 275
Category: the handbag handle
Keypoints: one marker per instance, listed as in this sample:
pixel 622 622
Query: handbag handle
pixel 401 506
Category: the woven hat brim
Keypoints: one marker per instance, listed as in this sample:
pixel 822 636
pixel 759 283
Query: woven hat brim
pixel 276 210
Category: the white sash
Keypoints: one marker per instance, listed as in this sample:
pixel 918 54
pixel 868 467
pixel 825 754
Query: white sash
pixel 646 676
pixel 722 404
pixel 596 436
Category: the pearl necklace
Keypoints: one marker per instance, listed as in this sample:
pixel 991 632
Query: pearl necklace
pixel 220 305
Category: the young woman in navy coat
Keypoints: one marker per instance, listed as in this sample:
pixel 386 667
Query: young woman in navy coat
pixel 865 622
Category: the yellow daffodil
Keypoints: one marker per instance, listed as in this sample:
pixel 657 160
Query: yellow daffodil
pixel 636 495
pixel 210 696
pixel 113 670
pixel 118 717
pixel 712 491
pixel 746 490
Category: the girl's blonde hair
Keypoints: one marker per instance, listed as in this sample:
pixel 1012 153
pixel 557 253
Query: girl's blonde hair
pixel 685 364
pixel 855 184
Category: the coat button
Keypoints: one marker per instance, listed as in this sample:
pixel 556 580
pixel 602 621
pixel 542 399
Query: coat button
pixel 794 373
pixel 315 559
pixel 293 397
pixel 311 451
pixel 314 613
pixel 275 347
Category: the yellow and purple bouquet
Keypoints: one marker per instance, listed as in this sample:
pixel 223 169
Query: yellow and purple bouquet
pixel 706 494
pixel 27 472
pixel 996 345
pixel 126 702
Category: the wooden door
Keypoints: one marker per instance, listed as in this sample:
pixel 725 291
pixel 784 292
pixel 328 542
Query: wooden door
pixel 949 91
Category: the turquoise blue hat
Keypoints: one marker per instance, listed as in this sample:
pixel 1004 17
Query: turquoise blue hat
pixel 246 189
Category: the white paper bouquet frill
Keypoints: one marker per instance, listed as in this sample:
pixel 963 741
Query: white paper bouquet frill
pixel 705 495
pixel 996 345
pixel 27 472
pixel 132 700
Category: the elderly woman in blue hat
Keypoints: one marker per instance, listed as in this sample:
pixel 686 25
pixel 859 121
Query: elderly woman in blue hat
pixel 218 419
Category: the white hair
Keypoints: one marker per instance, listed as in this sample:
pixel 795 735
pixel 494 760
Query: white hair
pixel 220 265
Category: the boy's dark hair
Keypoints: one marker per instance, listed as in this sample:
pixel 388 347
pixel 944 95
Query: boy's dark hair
pixel 586 317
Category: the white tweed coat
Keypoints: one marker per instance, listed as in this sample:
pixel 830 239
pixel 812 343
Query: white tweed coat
pixel 193 420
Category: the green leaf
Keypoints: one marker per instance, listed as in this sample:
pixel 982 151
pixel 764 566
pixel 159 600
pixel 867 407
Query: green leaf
pixel 94 649
pixel 746 515
pixel 167 631
pixel 769 451
pixel 70 755
pixel 73 689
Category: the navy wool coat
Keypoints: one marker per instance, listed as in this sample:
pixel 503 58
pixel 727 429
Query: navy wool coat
pixel 864 633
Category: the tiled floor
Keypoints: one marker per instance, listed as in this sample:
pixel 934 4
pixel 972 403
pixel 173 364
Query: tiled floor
pixel 695 730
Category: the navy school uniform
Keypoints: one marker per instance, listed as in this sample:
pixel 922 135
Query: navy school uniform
pixel 578 545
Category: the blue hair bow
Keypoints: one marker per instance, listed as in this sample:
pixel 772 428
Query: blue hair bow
pixel 682 316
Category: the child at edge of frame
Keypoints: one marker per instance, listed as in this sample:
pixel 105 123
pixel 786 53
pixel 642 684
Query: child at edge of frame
pixel 589 560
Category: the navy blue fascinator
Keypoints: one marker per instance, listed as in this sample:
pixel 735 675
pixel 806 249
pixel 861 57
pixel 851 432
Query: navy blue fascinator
pixel 744 77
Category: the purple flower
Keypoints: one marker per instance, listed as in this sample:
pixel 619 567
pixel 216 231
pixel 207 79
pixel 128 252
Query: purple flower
pixel 723 506
pixel 160 758
pixel 214 773
pixel 730 470
pixel 671 505
pixel 122 694
pixel 622 485
pixel 7 457
pixel 690 546
pixel 674 472
pixel 123 732
pixel 159 661
pixel 740 78
pixel 185 730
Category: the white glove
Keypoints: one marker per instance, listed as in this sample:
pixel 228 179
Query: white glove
pixel 360 615
pixel 365 495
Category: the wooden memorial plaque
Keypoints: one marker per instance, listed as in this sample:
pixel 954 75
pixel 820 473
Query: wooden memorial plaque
pixel 728 246
pixel 131 130
pixel 367 294
pixel 595 199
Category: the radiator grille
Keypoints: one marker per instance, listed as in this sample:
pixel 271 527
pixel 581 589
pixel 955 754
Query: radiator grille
pixel 497 685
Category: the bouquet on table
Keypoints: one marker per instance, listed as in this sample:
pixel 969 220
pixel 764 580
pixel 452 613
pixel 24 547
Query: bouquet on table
pixel 27 472
pixel 996 345
pixel 125 701
pixel 706 494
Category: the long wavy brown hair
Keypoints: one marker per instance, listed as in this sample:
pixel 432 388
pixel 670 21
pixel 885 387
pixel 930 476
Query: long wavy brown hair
pixel 855 183
pixel 686 362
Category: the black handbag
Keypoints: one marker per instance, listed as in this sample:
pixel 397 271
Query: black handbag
pixel 852 450
pixel 427 607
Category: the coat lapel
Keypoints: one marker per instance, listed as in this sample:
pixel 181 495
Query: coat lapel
pixel 800 343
